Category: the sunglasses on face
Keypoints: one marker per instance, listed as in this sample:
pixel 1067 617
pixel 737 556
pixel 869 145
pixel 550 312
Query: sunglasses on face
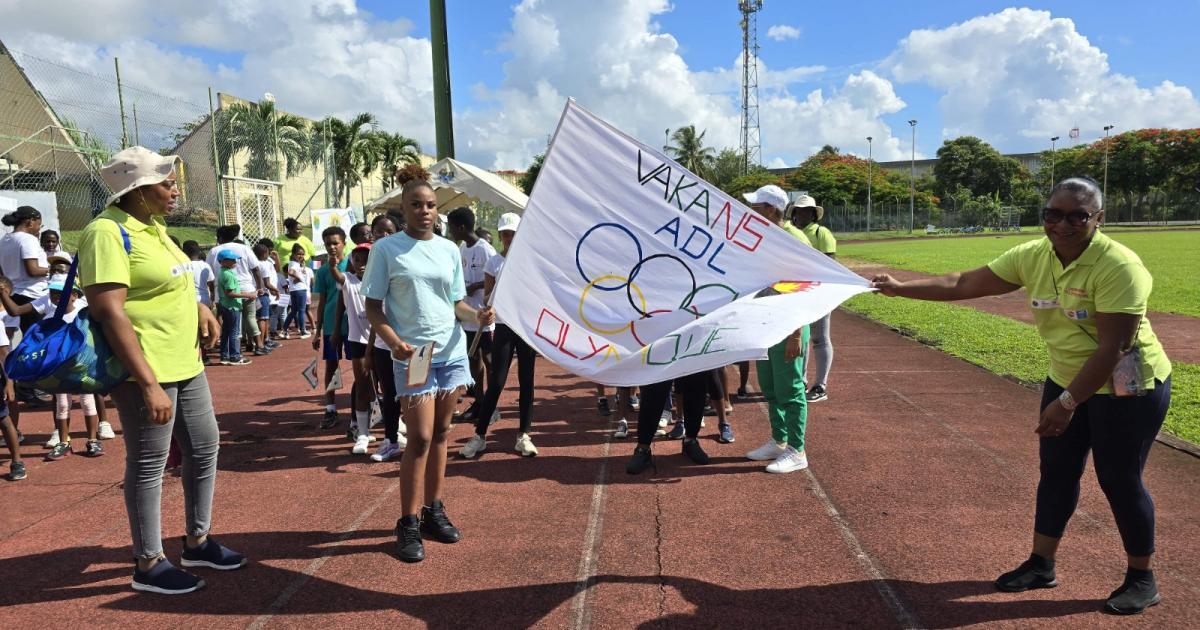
pixel 1076 218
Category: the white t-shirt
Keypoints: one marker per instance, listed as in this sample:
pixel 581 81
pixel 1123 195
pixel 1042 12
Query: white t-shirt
pixel 266 268
pixel 298 276
pixel 202 275
pixel 246 262
pixel 356 310
pixel 492 268
pixel 15 249
pixel 46 308
pixel 3 337
pixel 474 259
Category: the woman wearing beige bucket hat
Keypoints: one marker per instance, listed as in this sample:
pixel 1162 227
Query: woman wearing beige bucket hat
pixel 806 215
pixel 140 290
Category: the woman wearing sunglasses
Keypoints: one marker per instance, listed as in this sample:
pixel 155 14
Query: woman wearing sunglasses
pixel 1109 384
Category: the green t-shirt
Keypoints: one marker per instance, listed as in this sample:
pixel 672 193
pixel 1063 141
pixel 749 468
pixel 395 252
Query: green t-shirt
pixel 821 238
pixel 1107 278
pixel 796 232
pixel 324 285
pixel 161 296
pixel 229 282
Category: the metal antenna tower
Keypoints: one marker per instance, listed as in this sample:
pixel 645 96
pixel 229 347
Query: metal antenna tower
pixel 751 142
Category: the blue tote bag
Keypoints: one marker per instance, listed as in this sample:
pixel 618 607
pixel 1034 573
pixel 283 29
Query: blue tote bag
pixel 67 357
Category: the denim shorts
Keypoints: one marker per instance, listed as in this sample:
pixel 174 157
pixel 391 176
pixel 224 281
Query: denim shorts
pixel 264 307
pixel 443 379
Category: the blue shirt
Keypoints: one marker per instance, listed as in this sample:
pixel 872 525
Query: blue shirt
pixel 419 283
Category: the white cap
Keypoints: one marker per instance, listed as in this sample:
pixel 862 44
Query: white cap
pixel 133 168
pixel 771 195
pixel 806 201
pixel 509 221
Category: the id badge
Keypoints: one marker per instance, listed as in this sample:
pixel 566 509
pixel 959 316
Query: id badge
pixel 1126 376
pixel 1044 304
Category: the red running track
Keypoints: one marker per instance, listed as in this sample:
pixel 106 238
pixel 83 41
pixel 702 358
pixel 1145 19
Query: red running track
pixel 920 493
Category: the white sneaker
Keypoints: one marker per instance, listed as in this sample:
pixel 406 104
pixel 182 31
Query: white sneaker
pixel 473 447
pixel 767 452
pixel 387 450
pixel 525 446
pixel 790 460
pixel 105 432
pixel 667 418
pixel 53 441
pixel 361 445
pixel 622 431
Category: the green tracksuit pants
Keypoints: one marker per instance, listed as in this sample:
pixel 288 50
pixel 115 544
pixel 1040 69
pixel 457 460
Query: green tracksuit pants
pixel 782 383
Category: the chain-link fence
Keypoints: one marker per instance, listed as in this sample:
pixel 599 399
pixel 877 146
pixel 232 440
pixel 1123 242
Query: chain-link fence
pixel 241 161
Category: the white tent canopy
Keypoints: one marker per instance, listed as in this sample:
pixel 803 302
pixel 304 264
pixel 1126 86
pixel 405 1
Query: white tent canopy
pixel 460 184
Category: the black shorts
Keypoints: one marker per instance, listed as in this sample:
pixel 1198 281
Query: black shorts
pixel 355 350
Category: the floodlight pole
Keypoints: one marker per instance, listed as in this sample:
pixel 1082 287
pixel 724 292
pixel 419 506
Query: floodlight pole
pixel 1052 141
pixel 870 169
pixel 912 177
pixel 1107 129
pixel 442 111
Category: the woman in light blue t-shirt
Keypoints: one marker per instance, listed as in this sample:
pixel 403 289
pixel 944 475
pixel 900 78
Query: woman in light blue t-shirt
pixel 418 275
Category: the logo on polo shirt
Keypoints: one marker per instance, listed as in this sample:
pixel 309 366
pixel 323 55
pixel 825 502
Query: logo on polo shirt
pixel 1077 292
pixel 1080 314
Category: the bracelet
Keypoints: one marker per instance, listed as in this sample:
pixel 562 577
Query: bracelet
pixel 1067 400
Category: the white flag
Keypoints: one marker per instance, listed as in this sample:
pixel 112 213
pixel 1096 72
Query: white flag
pixel 628 269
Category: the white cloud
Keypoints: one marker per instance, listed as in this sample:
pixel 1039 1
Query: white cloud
pixel 783 32
pixel 1021 74
pixel 613 58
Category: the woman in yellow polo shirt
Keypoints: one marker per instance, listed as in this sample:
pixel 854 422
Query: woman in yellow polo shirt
pixel 139 289
pixel 1109 385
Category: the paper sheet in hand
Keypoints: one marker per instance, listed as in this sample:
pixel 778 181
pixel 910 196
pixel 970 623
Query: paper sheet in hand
pixel 419 364
pixel 335 383
pixel 310 374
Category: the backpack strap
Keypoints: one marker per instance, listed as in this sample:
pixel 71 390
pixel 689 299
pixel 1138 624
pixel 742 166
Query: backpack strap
pixel 69 283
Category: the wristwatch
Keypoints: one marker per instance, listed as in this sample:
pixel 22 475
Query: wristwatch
pixel 1067 400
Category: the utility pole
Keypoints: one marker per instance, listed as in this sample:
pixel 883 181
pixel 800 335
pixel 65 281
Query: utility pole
pixel 912 177
pixel 442 117
pixel 751 137
pixel 1052 141
pixel 870 172
pixel 121 104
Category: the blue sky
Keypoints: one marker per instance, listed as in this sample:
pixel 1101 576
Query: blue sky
pixel 1012 76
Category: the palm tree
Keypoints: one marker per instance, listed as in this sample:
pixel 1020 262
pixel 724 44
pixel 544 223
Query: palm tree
pixel 355 150
pixel 689 150
pixel 269 136
pixel 395 151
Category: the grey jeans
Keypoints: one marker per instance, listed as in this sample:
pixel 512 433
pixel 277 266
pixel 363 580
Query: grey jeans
pixel 194 427
pixel 822 351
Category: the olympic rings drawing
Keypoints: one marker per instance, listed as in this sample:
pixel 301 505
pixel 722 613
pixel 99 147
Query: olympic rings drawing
pixel 638 269
pixel 596 283
pixel 687 302
pixel 579 248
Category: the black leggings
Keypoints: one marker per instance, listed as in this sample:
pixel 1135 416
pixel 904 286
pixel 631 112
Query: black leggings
pixel 1119 432
pixel 506 343
pixel 381 365
pixel 692 391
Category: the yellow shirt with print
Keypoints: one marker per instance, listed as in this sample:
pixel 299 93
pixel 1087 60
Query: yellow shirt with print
pixel 797 232
pixel 821 238
pixel 1107 278
pixel 283 247
pixel 161 301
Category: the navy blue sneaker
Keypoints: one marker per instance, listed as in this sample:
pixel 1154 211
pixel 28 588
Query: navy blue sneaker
pixel 163 578
pixel 676 431
pixel 726 436
pixel 211 555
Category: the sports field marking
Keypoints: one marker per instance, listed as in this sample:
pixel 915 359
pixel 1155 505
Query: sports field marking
pixel 593 536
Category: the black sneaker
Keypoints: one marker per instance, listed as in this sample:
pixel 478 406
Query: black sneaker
pixel 1036 572
pixel 709 410
pixel 602 406
pixel 436 525
pixel 1138 593
pixel 330 420
pixel 691 448
pixel 676 431
pixel 16 471
pixel 163 578
pixel 816 394
pixel 212 555
pixel 640 461
pixel 408 539
pixel 635 403
pixel 93 449
pixel 742 393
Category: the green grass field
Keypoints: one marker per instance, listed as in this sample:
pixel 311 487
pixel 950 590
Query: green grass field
pixel 1172 258
pixel 205 236
pixel 1009 348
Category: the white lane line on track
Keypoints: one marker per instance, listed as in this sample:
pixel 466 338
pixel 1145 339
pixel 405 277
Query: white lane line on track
pixel 581 601
pixel 288 593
